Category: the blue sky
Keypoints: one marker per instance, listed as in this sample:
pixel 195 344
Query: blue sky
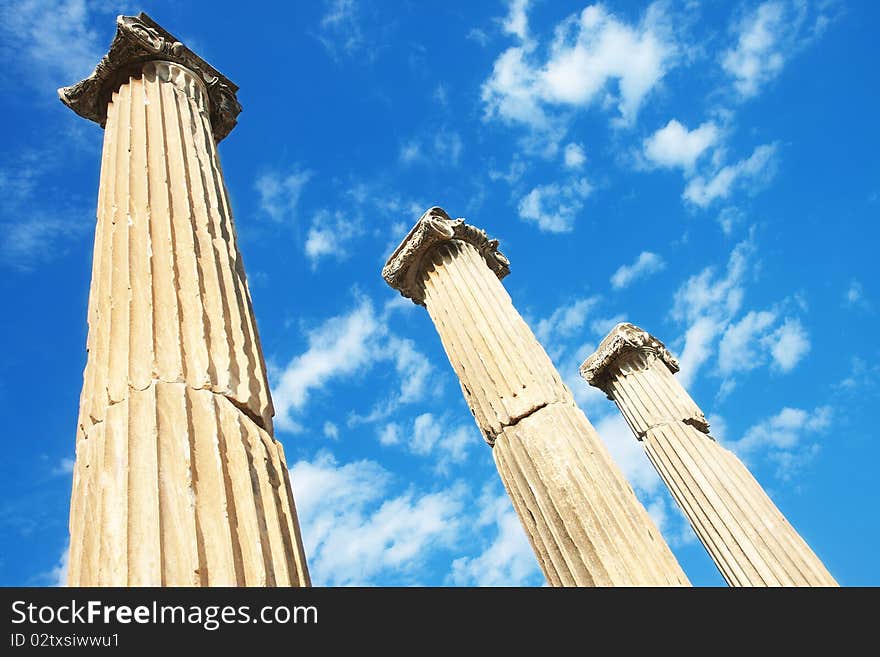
pixel 708 171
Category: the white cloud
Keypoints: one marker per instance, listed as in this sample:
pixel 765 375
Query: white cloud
pixel 854 297
pixel 751 174
pixel 448 146
pixel 53 40
pixel 430 437
pixel 594 56
pixel 390 434
pixel 729 218
pixel 330 234
pixel 789 344
pixel 280 193
pixel 739 347
pixel 603 325
pixel 564 322
pixel 64 467
pixel 676 146
pixel 340 28
pixel 781 438
pixel 707 303
pixel 331 430
pixel 555 207
pixel 508 560
pixel 573 156
pixel 410 152
pixel 342 346
pixel 58 575
pixel 444 148
pixel 757 57
pixel 517 22
pixel 356 530
pixel 645 265
pixel 628 453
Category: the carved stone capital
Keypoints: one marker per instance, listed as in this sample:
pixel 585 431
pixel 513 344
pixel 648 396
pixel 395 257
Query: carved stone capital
pixel 140 39
pixel 622 339
pixel 403 269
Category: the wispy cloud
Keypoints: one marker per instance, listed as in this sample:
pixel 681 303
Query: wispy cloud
pixel 784 438
pixel 507 558
pixel 280 193
pixel 752 173
pixel 768 36
pixel 52 43
pixel 645 265
pixel 594 58
pixel 340 346
pixel 356 529
pixel 555 207
pixel 674 145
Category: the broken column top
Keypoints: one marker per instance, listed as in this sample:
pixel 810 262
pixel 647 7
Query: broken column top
pixel 623 338
pixel 434 227
pixel 140 39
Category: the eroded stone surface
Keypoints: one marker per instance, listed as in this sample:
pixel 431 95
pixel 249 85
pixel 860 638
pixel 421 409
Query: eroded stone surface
pixel 139 39
pixel 178 480
pixel 582 518
pixel 747 536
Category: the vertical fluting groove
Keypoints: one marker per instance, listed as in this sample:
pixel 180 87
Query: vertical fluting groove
pixel 557 553
pixel 549 556
pixel 302 573
pixel 208 292
pixel 198 495
pixel 178 480
pixel 551 505
pixel 811 567
pixel 120 295
pixel 257 489
pixel 460 357
pixel 697 512
pixel 750 539
pixel 523 359
pixel 220 329
pixel 696 515
pixel 773 553
pixel 599 484
pixel 533 532
pixel 255 373
pixel 275 480
pixel 229 493
pixel 724 509
pixel 199 334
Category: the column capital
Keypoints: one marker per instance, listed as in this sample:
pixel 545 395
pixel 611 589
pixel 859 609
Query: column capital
pixel 436 227
pixel 623 338
pixel 140 39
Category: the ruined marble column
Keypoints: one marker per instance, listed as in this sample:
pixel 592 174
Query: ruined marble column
pixel 749 539
pixel 582 518
pixel 178 480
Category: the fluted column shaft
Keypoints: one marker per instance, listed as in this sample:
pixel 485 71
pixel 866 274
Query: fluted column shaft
pixel 582 518
pixel 746 535
pixel 178 480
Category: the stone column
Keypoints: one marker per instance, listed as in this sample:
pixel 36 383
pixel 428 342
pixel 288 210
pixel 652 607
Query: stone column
pixel 178 480
pixel 749 539
pixel 582 518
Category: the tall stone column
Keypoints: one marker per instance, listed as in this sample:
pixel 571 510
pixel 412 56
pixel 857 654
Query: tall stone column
pixel 582 518
pixel 178 480
pixel 749 539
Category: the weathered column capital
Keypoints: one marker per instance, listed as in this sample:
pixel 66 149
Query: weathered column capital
pixel 139 39
pixel 623 339
pixel 403 271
